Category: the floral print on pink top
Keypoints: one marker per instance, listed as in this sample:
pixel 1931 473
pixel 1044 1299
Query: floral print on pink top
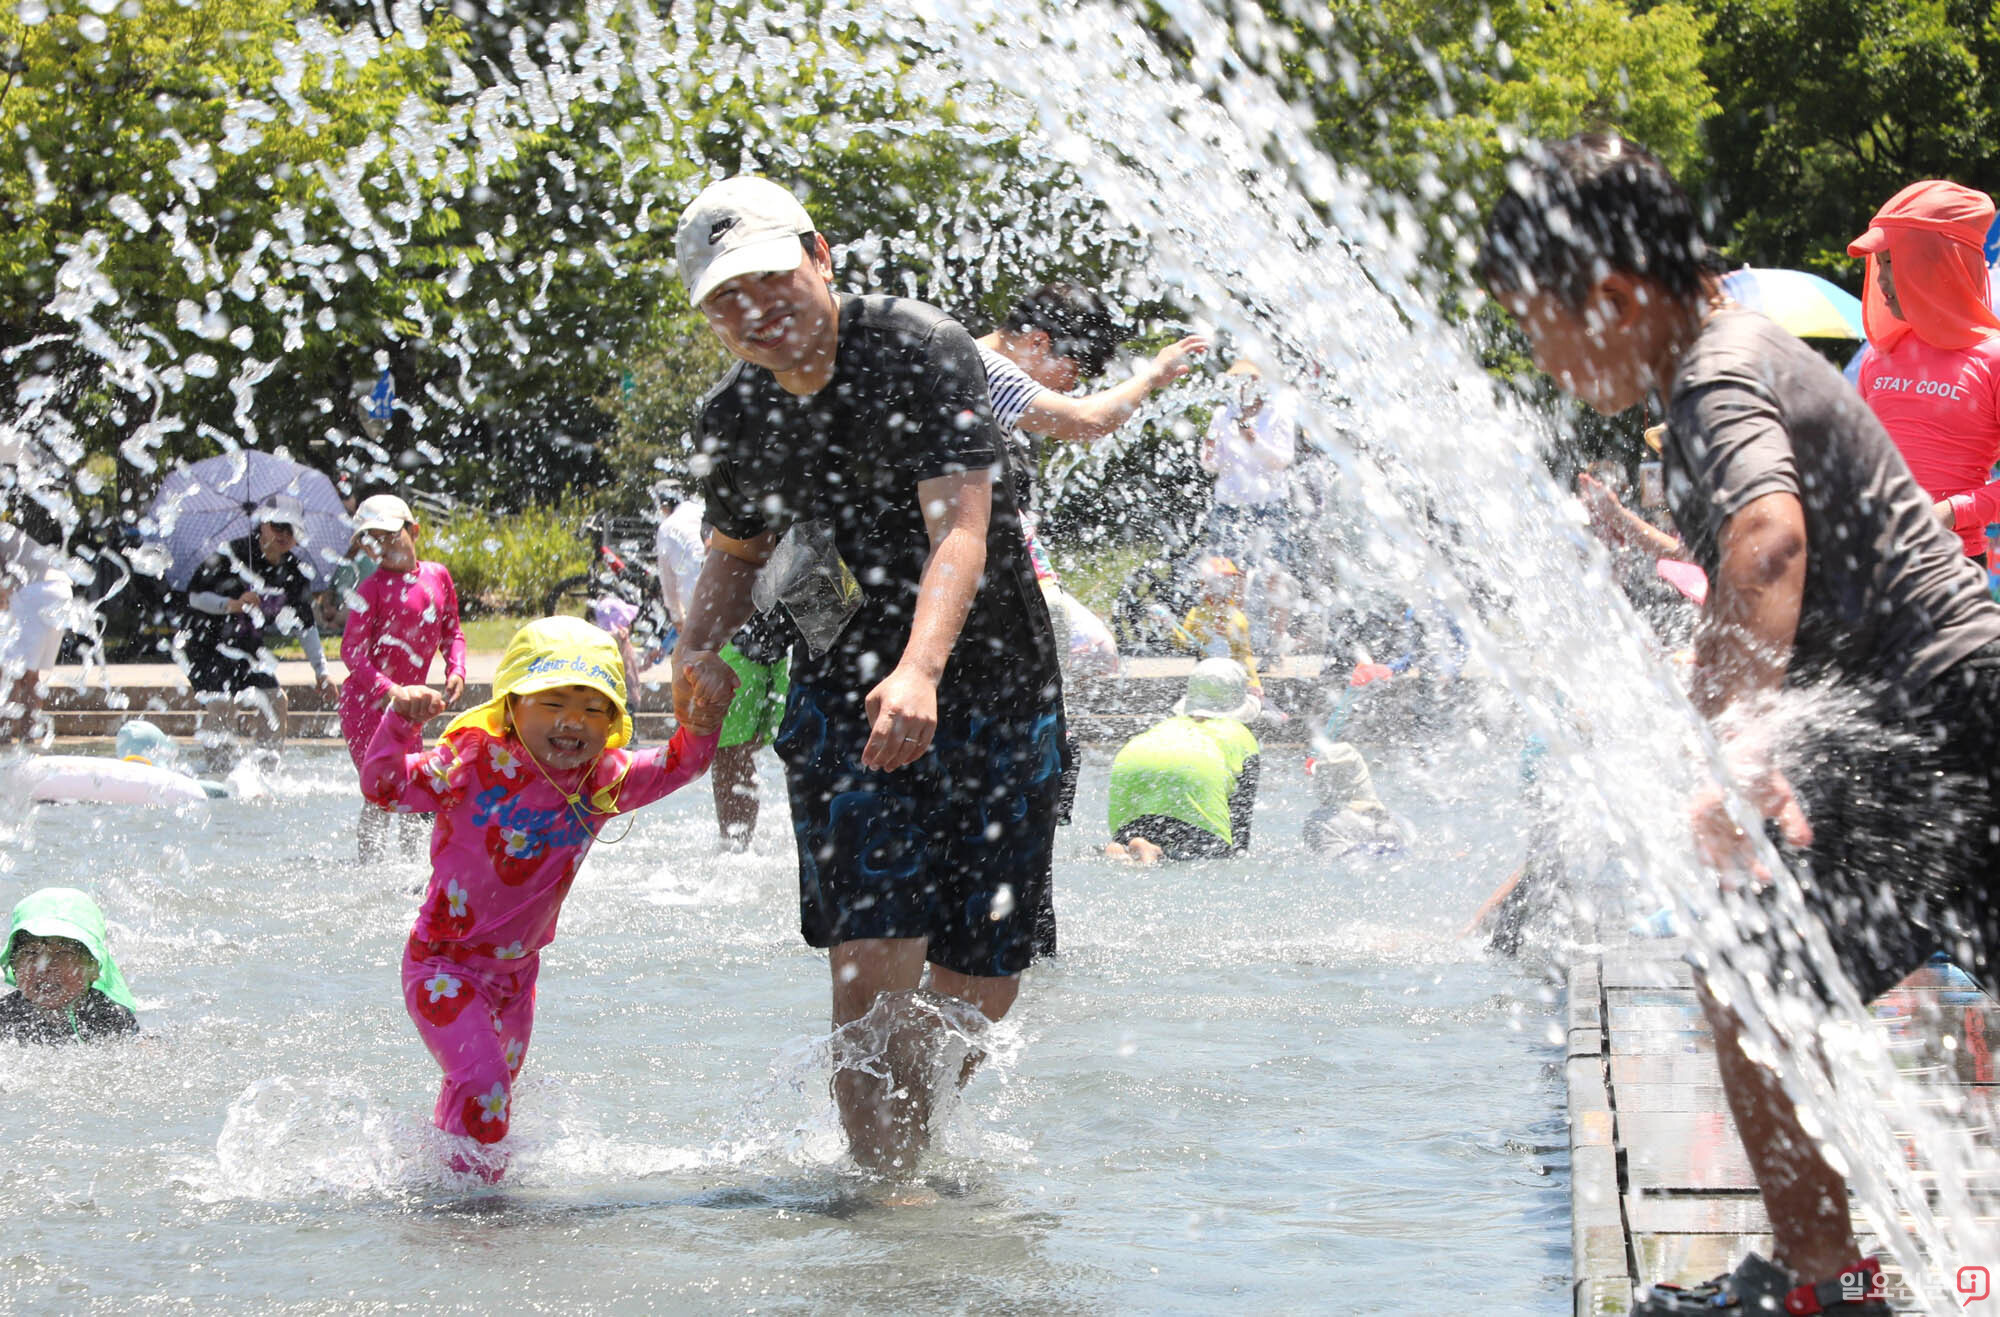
pixel 504 851
pixel 506 844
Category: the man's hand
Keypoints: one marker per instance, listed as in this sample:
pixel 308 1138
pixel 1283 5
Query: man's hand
pixel 419 704
pixel 454 686
pixel 1172 361
pixel 328 687
pixel 244 602
pixel 902 719
pixel 1728 848
pixel 704 686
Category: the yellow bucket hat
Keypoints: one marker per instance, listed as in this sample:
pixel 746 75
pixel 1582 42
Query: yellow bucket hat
pixel 551 652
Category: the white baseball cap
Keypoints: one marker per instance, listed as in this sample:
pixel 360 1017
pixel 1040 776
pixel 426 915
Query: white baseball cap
pixel 742 225
pixel 382 512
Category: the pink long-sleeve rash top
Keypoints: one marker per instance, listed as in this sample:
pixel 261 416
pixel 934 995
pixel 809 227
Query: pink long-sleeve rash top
pixel 507 844
pixel 403 619
pixel 1942 407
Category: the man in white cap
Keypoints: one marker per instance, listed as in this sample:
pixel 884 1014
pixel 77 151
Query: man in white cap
pixel 249 585
pixel 922 739
pixel 1184 789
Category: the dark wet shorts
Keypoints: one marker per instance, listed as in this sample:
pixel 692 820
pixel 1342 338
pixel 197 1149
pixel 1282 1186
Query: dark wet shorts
pixel 1176 838
pixel 1905 858
pixel 957 848
pixel 225 670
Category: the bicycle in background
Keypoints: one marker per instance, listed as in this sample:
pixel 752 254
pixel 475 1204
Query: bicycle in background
pixel 620 584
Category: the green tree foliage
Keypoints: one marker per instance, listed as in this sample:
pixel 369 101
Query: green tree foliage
pixel 248 208
pixel 1428 99
pixel 1829 107
pixel 169 175
pixel 920 190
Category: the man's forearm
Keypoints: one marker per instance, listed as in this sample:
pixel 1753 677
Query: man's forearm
pixel 315 652
pixel 944 598
pixel 721 601
pixel 1101 413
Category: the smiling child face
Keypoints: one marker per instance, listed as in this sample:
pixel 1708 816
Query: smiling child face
pixel 564 727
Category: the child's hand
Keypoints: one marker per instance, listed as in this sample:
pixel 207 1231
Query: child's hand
pixel 707 715
pixel 454 686
pixel 419 704
pixel 703 687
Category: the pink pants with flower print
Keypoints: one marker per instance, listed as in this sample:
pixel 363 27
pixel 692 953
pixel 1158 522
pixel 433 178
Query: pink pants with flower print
pixel 476 1020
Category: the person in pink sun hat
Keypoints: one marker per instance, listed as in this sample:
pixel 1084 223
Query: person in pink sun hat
pixel 522 787
pixel 1932 374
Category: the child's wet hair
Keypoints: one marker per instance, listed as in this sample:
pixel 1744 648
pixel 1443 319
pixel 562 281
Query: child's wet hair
pixel 1584 207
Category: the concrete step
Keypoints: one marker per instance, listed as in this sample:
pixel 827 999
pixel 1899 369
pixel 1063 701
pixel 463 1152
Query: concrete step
pixel 1110 709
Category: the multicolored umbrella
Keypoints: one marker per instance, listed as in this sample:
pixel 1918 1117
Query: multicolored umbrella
pixel 203 506
pixel 1805 304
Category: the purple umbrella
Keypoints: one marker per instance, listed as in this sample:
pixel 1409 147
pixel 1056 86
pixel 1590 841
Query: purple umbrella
pixel 202 507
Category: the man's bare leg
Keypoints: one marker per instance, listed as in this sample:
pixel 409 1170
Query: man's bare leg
pixel 18 709
pixel 1812 1230
pixel 993 996
pixel 734 771
pixel 887 1118
pixel 264 714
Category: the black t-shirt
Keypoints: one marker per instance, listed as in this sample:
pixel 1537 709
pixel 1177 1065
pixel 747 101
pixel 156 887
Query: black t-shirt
pixel 1890 597
pixel 284 588
pixel 92 1017
pixel 907 402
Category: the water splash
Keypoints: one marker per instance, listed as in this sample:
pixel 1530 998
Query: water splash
pixel 1192 168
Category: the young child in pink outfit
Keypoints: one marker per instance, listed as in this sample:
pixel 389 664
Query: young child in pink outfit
pixel 521 786
pixel 406 612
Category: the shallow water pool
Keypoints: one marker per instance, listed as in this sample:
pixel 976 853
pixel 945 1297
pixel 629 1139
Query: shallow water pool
pixel 1269 1081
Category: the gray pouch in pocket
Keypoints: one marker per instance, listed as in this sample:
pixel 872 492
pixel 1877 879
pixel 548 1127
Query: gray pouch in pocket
pixel 809 577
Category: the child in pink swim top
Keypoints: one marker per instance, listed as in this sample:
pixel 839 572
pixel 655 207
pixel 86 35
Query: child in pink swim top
pixel 1932 374
pixel 405 613
pixel 521 786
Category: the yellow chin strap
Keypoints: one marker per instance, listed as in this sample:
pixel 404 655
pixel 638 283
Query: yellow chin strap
pixel 579 809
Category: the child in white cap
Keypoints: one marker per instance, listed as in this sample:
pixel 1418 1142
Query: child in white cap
pixel 398 621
